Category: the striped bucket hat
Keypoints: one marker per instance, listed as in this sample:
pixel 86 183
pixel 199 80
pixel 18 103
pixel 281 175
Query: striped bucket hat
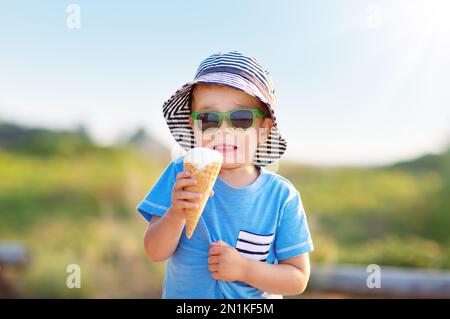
pixel 237 71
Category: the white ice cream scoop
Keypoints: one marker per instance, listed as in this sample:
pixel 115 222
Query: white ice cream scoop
pixel 202 156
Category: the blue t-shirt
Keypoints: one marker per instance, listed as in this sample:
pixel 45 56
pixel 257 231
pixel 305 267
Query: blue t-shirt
pixel 264 221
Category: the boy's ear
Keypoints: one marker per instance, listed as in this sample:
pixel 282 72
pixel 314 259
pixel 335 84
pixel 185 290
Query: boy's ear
pixel 266 125
pixel 269 122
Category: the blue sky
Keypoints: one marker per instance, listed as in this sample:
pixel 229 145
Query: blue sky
pixel 358 82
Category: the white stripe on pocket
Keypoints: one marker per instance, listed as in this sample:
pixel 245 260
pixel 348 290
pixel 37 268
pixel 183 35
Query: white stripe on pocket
pixel 254 248
pixel 256 239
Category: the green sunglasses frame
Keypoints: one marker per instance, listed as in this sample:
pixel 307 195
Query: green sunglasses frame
pixel 227 115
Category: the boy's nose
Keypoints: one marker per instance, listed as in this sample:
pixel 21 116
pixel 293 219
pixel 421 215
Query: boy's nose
pixel 225 127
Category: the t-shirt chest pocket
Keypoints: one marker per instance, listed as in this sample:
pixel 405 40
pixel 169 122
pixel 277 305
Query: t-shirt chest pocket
pixel 254 246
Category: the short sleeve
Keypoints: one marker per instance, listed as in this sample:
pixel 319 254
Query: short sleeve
pixel 158 199
pixel 292 237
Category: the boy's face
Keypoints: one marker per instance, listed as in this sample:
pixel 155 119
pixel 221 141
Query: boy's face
pixel 238 146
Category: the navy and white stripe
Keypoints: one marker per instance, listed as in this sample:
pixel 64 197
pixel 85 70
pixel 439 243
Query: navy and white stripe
pixel 254 246
pixel 235 70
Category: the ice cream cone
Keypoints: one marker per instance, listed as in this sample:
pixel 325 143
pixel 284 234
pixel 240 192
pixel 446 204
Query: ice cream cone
pixel 206 175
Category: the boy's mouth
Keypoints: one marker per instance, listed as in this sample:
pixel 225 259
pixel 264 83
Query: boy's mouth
pixel 225 148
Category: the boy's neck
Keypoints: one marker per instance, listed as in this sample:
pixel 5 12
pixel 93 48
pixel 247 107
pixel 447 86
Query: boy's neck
pixel 240 176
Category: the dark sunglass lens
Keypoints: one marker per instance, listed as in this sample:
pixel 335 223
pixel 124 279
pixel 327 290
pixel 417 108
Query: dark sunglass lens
pixel 208 120
pixel 242 119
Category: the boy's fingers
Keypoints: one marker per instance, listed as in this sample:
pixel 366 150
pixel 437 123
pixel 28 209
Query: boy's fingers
pixel 185 204
pixel 215 250
pixel 213 260
pixel 213 267
pixel 215 275
pixel 184 182
pixel 183 174
pixel 187 195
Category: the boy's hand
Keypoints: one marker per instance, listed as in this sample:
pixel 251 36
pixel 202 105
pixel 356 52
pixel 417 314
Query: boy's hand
pixel 182 199
pixel 225 262
pixel 180 196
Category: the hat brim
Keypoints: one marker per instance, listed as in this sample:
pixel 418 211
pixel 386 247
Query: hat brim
pixel 176 111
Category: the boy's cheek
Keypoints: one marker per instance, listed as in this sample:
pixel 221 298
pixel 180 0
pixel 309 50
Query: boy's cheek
pixel 202 140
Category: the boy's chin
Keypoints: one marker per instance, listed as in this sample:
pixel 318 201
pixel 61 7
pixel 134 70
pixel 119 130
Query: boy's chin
pixel 234 164
pixel 236 159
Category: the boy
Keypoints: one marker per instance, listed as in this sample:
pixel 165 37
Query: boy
pixel 252 240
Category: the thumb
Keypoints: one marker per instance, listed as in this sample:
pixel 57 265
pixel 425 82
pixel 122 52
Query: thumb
pixel 222 243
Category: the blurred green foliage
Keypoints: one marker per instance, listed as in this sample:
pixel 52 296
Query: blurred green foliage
pixel 71 201
pixel 396 215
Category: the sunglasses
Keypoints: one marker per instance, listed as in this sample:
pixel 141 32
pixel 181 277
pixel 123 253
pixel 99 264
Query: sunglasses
pixel 239 118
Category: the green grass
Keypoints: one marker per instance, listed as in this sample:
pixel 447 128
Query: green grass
pixel 80 210
pixel 392 216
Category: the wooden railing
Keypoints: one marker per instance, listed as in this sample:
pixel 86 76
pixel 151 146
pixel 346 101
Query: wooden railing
pixel 394 282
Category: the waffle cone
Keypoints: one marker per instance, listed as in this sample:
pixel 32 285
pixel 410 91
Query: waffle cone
pixel 206 177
